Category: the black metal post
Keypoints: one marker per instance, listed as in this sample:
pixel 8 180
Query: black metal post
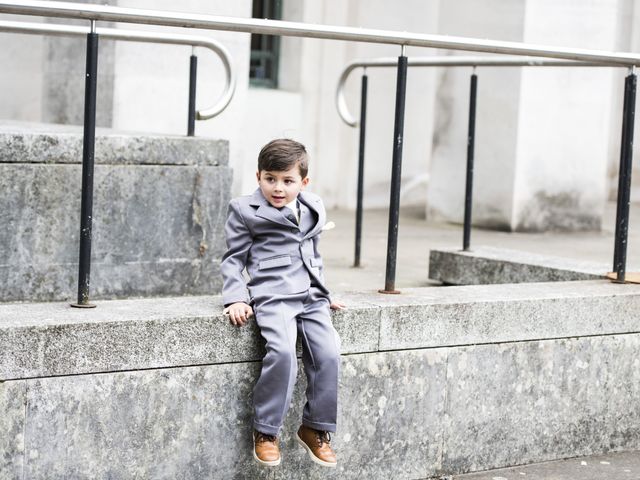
pixel 396 171
pixel 624 178
pixel 471 140
pixel 88 145
pixel 193 73
pixel 363 132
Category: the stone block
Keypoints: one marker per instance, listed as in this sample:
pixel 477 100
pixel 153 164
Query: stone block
pixel 520 403
pixel 194 423
pixel 53 144
pixel 45 339
pixel 12 424
pixel 488 265
pixel 157 230
pixel 506 313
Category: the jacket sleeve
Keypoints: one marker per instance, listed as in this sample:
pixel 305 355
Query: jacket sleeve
pixel 239 240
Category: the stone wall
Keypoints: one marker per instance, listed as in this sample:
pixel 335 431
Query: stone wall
pixel 159 209
pixel 433 382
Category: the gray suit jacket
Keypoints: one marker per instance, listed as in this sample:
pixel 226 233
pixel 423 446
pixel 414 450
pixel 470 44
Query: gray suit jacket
pixel 280 256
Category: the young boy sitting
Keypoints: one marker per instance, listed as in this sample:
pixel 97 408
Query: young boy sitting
pixel 273 234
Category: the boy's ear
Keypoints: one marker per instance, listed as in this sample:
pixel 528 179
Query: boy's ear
pixel 305 181
pixel 258 175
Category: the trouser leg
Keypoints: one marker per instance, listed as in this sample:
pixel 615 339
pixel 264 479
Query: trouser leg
pixel 272 392
pixel 321 359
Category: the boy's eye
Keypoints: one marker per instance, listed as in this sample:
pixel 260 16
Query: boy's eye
pixel 288 182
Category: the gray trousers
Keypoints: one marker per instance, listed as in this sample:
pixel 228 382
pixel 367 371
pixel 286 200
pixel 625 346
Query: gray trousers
pixel 281 318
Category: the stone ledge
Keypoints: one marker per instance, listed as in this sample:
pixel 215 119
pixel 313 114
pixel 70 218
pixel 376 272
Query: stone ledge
pixel 411 414
pixel 49 339
pixel 489 265
pixel 55 144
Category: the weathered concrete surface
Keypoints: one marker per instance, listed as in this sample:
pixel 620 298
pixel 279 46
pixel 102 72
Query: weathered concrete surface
pixel 23 142
pixel 13 399
pixel 157 226
pixel 402 415
pixel 540 401
pixel 485 265
pixel 46 339
pixel 620 465
pixel 194 423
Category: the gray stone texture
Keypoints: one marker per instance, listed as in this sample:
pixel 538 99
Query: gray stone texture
pixel 13 399
pixel 488 265
pixel 47 339
pixel 402 415
pixel 194 423
pixel 518 403
pixel 618 465
pixel 157 226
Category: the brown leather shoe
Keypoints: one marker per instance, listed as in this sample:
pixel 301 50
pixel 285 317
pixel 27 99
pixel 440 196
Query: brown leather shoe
pixel 266 449
pixel 318 444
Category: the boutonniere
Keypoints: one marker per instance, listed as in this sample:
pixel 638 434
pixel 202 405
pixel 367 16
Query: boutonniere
pixel 328 226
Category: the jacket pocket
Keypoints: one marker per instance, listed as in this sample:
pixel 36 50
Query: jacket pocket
pixel 272 262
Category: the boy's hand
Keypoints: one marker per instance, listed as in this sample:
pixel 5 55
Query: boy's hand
pixel 337 306
pixel 239 313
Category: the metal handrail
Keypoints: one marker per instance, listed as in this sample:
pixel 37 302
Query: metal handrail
pixel 107 13
pixel 297 29
pixel 143 37
pixel 446 61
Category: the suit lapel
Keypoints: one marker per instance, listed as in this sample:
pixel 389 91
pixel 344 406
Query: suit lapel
pixel 316 216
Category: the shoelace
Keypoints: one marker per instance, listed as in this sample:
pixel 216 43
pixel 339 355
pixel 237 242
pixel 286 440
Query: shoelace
pixel 323 437
pixel 263 437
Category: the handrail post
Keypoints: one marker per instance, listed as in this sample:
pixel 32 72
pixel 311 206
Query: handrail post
pixel 396 171
pixel 363 132
pixel 88 149
pixel 471 140
pixel 193 73
pixel 624 177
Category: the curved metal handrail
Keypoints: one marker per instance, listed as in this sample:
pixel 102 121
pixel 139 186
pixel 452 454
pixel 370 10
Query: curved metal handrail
pixel 447 61
pixel 109 13
pixel 143 37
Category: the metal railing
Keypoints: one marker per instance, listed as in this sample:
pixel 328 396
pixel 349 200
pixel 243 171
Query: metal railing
pixel 90 108
pixel 624 183
pixel 147 37
pixel 107 13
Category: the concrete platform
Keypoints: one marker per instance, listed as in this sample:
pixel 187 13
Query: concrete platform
pixel 434 382
pixel 490 265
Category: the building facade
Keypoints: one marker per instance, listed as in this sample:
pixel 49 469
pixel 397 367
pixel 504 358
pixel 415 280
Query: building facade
pixel 547 142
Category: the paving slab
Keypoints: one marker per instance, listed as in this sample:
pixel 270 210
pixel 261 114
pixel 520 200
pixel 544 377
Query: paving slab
pixel 612 466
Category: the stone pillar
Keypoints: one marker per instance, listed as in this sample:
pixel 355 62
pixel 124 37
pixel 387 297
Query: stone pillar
pixel 542 133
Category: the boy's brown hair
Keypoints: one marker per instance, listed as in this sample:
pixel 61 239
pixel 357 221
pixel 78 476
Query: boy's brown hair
pixel 283 154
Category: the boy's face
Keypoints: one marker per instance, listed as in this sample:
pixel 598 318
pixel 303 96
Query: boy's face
pixel 280 188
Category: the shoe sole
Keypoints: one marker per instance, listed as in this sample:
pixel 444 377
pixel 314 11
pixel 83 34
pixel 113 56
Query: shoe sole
pixel 313 457
pixel 272 463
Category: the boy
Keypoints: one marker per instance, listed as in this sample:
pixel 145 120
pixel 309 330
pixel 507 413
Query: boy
pixel 273 234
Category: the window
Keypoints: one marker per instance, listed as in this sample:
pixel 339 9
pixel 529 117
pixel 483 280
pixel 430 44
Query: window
pixel 265 49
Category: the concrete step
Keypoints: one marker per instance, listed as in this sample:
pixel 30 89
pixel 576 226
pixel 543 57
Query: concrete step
pixel 159 208
pixel 490 265
pixel 434 382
